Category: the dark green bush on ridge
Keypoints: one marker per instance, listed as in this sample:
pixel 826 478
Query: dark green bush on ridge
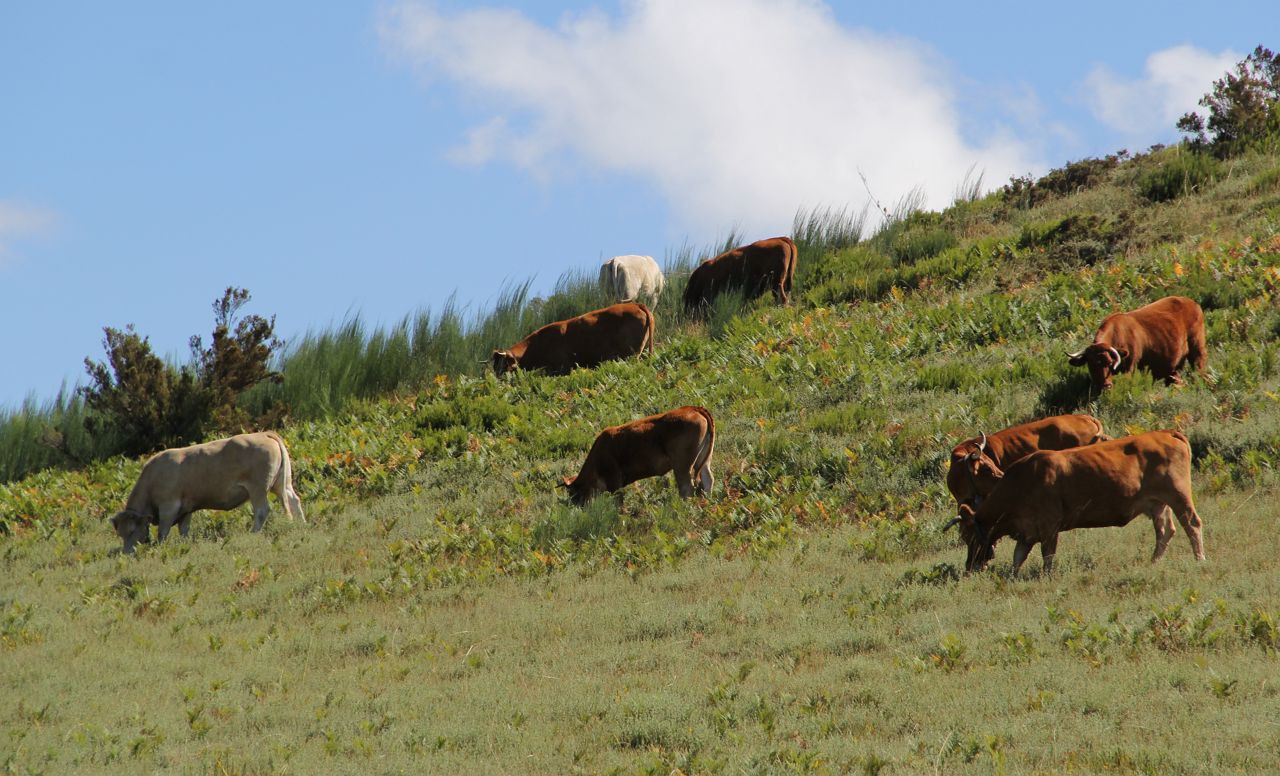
pixel 149 405
pixel 1181 171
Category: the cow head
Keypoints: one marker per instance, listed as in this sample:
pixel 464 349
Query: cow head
pixel 582 489
pixel 973 472
pixel 503 362
pixel 1103 361
pixel 976 538
pixel 132 528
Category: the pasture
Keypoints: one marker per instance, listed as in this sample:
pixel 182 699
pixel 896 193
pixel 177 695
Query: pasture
pixel 446 610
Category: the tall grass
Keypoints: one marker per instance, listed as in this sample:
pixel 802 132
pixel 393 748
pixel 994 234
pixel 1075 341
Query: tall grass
pixel 39 435
pixel 970 187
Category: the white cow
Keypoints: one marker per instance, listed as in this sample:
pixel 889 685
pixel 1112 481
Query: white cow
pixel 627 277
pixel 215 475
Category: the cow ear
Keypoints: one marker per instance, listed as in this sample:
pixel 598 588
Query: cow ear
pixel 1124 354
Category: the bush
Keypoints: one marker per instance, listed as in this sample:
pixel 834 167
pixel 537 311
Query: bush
pixel 1184 172
pixel 138 397
pixel 1244 107
pixel 1025 193
pixel 1077 239
pixel 148 405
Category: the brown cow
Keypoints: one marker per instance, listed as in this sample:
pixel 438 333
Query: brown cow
pixel 215 475
pixel 680 441
pixel 1097 486
pixel 977 464
pixel 610 333
pixel 766 265
pixel 1159 338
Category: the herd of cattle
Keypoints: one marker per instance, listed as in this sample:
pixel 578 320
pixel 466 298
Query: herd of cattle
pixel 1029 482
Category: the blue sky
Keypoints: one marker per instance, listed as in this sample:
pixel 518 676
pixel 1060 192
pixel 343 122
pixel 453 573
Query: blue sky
pixel 377 157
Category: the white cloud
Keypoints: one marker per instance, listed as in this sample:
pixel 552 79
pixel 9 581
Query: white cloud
pixel 17 221
pixel 740 111
pixel 1172 83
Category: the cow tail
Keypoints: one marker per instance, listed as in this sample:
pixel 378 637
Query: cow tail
pixel 1100 435
pixel 284 482
pixel 706 447
pixel 648 330
pixel 791 263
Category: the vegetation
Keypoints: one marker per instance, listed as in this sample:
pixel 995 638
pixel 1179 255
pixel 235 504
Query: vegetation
pixel 1244 108
pixel 444 609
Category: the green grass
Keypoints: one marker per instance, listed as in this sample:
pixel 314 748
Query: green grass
pixel 445 610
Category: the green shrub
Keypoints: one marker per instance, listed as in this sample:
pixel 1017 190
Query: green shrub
pixel 1024 192
pixel 1182 172
pixel 1265 182
pixel 1077 239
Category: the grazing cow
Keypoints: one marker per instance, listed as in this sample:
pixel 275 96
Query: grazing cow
pixel 1097 486
pixel 627 277
pixel 680 441
pixel 601 335
pixel 767 265
pixel 1159 338
pixel 215 475
pixel 977 464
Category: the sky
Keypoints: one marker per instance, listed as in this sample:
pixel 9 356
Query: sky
pixel 376 158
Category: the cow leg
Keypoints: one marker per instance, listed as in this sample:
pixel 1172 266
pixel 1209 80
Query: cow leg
pixel 1020 553
pixel 1162 521
pixel 1196 349
pixel 184 525
pixel 260 510
pixel 1186 514
pixel 684 481
pixel 1048 549
pixel 167 515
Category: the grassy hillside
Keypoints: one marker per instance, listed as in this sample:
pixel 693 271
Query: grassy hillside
pixel 444 609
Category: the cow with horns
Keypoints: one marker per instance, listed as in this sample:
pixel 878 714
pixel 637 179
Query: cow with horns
pixel 1096 486
pixel 1160 338
pixel 978 464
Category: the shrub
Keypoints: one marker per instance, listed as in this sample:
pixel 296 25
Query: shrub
pixel 1244 107
pixel 1025 193
pixel 148 405
pixel 1184 172
pixel 1077 239
pixel 236 359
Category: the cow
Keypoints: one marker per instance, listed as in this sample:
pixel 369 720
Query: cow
pixel 978 463
pixel 625 278
pixel 614 332
pixel 1101 485
pixel 215 475
pixel 766 265
pixel 1160 338
pixel 680 441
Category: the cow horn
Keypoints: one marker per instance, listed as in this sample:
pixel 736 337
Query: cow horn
pixel 1116 354
pixel 982 445
pixel 1076 355
pixel 951 522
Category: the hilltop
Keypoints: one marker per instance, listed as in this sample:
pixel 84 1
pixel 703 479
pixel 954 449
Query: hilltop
pixel 444 608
